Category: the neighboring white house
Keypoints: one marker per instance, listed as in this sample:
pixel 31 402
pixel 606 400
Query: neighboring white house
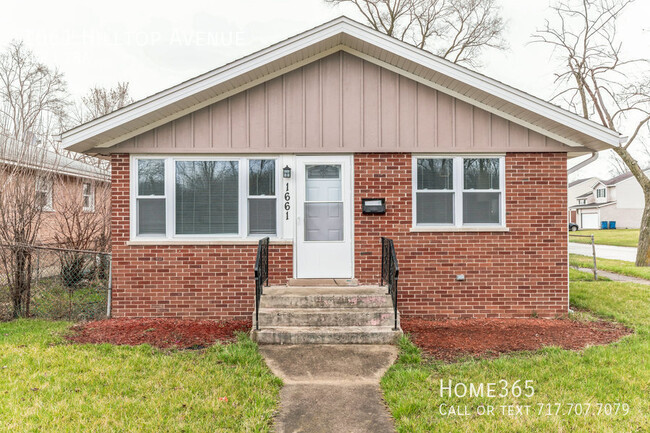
pixel 619 199
pixel 578 188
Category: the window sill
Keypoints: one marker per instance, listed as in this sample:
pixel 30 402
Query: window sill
pixel 459 229
pixel 206 242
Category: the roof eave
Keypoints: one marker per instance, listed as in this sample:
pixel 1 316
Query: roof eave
pixel 79 138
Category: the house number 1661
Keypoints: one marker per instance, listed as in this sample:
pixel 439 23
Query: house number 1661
pixel 287 205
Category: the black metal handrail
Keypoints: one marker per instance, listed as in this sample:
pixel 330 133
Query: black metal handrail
pixel 261 275
pixel 389 271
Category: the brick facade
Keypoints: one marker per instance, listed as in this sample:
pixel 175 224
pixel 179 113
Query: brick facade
pixel 508 274
pixel 189 281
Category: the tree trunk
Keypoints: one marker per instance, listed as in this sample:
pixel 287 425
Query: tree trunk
pixel 643 250
pixel 21 285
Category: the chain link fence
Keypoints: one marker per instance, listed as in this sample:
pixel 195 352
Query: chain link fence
pixel 62 284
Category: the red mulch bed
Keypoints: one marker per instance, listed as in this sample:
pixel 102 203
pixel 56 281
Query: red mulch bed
pixel 450 339
pixel 162 333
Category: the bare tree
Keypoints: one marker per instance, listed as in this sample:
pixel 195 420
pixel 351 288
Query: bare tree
pixel 100 101
pixel 32 96
pixel 458 30
pixel 25 191
pixel 81 223
pixel 32 108
pixel 617 166
pixel 82 220
pixel 600 84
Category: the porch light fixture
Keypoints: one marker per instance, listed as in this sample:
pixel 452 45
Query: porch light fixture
pixel 286 172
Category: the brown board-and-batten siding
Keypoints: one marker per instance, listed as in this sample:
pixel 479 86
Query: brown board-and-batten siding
pixel 340 103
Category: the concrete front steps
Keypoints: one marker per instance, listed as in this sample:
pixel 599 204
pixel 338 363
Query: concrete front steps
pixel 298 314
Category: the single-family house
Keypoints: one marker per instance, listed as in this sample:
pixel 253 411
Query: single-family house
pixel 619 200
pixel 578 188
pixel 325 143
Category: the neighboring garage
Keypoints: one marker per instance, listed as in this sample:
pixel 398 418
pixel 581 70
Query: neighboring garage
pixel 589 221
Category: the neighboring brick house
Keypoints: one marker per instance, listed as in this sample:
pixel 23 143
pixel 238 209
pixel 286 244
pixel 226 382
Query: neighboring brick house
pixel 618 200
pixel 288 141
pixel 58 183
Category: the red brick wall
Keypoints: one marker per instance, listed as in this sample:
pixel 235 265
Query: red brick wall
pixel 201 282
pixel 511 274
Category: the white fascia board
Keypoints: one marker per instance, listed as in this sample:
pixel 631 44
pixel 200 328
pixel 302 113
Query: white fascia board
pixel 333 28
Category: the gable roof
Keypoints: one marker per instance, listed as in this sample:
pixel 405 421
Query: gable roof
pixel 341 34
pixel 587 194
pixel 38 158
pixel 621 177
pixel 617 179
pixel 592 205
pixel 579 181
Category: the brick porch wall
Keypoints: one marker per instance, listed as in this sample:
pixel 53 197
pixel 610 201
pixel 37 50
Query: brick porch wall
pixel 197 282
pixel 513 274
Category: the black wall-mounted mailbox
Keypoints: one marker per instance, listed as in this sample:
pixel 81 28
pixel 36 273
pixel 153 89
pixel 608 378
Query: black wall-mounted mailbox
pixel 373 205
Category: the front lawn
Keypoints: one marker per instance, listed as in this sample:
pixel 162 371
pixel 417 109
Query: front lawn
pixel 49 385
pixel 614 374
pixel 618 237
pixel 618 266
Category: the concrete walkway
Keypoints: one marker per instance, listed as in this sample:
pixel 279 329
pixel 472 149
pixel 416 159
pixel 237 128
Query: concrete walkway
pixel 331 388
pixel 604 251
pixel 617 277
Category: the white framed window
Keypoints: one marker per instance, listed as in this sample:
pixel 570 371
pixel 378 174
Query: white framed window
pixel 44 193
pixel 150 197
pixel 459 191
pixel 262 200
pixel 88 196
pixel 204 197
pixel 601 193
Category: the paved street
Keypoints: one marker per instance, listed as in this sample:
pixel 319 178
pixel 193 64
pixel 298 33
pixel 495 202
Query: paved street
pixel 604 251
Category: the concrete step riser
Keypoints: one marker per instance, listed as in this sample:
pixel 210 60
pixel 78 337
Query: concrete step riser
pixel 326 301
pixel 367 337
pixel 354 317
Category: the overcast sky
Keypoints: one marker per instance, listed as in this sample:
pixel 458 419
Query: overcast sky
pixel 157 44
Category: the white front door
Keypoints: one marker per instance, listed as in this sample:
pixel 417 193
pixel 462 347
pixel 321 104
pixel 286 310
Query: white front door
pixel 324 217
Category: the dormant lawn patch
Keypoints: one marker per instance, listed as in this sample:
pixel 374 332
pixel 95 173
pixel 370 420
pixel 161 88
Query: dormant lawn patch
pixel 618 237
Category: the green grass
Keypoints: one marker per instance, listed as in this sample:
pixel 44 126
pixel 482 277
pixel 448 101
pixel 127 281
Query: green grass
pixel 49 385
pixel 617 373
pixel 619 266
pixel 576 275
pixel 618 237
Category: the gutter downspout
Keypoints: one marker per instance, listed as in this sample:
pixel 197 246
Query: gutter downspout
pixel 592 158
